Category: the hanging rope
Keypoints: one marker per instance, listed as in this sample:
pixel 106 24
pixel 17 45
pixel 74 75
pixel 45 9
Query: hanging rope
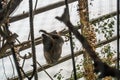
pixel 32 41
pixel 118 34
pixel 71 43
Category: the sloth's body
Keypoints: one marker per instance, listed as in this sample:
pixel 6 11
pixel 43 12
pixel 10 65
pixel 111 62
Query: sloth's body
pixel 52 45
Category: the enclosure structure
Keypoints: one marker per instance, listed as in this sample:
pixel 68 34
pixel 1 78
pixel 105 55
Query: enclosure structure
pixel 19 44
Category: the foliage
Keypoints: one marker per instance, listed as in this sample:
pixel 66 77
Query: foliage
pixel 108 54
pixel 79 72
pixel 105 27
pixel 58 75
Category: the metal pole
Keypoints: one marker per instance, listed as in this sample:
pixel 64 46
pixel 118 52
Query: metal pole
pixel 118 33
pixel 32 40
pixel 71 44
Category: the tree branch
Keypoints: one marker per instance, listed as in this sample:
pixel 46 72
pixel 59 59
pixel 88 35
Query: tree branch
pixel 98 64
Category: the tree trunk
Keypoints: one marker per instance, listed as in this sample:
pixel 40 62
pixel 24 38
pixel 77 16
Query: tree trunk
pixel 87 31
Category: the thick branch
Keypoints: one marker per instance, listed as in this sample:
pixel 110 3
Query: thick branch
pixel 100 66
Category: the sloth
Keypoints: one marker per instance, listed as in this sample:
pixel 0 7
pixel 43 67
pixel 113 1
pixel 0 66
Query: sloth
pixel 52 46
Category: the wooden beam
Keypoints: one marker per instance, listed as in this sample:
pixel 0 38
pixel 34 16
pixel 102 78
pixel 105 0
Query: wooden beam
pixel 40 10
pixel 103 17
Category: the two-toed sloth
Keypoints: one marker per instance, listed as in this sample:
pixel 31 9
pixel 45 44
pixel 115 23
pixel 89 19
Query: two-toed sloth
pixel 52 46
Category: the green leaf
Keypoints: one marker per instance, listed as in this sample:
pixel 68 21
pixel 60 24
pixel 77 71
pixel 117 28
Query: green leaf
pixel 104 24
pixel 110 25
